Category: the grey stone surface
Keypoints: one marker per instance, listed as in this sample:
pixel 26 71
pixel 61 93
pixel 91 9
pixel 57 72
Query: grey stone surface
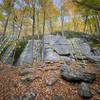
pixel 50 55
pixel 79 48
pixel 76 75
pixel 62 50
pixel 84 90
pixel 93 57
pixel 56 97
pixel 98 90
pixel 53 39
pixel 25 71
pixel 74 47
pixel 27 55
pixel 7 56
pixel 27 79
pixel 27 96
pixel 56 48
pixel 67 59
pixel 51 81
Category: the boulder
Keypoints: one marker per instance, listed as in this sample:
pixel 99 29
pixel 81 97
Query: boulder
pixel 84 90
pixel 76 75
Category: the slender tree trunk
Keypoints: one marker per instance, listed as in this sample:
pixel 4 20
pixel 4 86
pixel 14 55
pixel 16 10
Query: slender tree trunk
pixel 6 24
pixel 75 24
pixel 43 35
pixel 33 27
pixel 97 25
pixel 38 28
pixel 13 17
pixel 14 20
pixel 91 29
pixel 7 20
pixel 62 20
pixel 21 26
pixel 85 24
pixel 51 27
pixel 13 27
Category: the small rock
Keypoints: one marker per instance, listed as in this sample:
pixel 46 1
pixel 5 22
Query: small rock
pixel 27 96
pixel 26 71
pixel 56 97
pixel 98 91
pixel 27 79
pixel 84 90
pixel 51 80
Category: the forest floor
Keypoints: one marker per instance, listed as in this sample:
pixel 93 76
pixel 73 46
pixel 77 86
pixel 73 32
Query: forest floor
pixel 13 85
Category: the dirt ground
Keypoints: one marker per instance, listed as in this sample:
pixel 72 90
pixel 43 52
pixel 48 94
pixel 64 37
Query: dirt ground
pixel 11 85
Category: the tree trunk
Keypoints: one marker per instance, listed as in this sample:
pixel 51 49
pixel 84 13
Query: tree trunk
pixel 13 27
pixel 97 30
pixel 98 26
pixel 6 24
pixel 43 35
pixel 38 28
pixel 13 17
pixel 21 26
pixel 33 26
pixel 62 20
pixel 9 13
pixel 85 24
pixel 51 27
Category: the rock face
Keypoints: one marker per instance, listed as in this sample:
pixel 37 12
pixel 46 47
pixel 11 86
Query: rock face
pixel 84 90
pixel 7 48
pixel 31 51
pixel 56 48
pixel 93 56
pixel 7 57
pixel 65 48
pixel 76 76
pixel 26 56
